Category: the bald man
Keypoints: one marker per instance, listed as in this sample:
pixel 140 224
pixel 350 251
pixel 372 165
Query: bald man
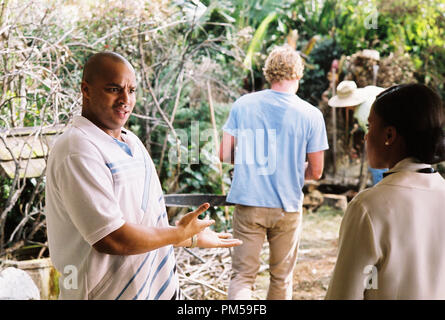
pixel 108 230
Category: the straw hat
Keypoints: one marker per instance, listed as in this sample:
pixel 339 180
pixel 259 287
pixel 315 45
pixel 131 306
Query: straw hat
pixel 347 95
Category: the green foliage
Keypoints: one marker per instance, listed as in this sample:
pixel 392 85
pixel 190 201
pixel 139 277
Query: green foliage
pixel 319 61
pixel 415 27
pixel 5 188
pixel 201 174
pixel 258 38
pixel 47 43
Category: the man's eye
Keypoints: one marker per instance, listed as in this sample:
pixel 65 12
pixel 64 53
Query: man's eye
pixel 114 90
pixel 132 90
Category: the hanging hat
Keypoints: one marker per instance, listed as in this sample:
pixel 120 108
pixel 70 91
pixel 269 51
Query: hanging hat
pixel 347 95
pixel 362 111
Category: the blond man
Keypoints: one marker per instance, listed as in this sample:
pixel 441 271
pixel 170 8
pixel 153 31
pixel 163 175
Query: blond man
pixel 279 141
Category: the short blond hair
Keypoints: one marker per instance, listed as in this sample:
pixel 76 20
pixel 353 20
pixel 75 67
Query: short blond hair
pixel 283 63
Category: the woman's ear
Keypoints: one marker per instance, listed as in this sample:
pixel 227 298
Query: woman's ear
pixel 390 135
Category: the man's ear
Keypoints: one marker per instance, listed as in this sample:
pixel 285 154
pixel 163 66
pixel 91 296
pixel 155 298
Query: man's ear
pixel 84 87
pixel 390 135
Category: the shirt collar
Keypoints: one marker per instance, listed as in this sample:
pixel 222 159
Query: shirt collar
pixel 91 129
pixel 408 164
pixel 408 177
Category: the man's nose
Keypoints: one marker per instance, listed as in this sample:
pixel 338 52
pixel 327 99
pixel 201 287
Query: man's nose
pixel 124 97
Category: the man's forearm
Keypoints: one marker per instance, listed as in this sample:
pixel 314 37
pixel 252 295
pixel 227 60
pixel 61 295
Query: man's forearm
pixel 314 166
pixel 227 149
pixel 308 173
pixel 229 158
pixel 185 243
pixel 136 239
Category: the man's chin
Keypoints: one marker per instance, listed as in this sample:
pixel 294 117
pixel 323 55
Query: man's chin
pixel 119 122
pixel 115 125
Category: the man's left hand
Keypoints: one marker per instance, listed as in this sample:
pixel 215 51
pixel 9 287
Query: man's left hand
pixel 210 239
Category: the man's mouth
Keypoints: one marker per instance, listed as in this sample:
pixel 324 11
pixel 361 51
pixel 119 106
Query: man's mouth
pixel 122 113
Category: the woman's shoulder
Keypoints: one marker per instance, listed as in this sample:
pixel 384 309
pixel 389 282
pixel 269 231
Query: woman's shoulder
pixel 372 201
pixel 367 195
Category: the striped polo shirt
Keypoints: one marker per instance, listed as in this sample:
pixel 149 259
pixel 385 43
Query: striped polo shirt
pixel 95 185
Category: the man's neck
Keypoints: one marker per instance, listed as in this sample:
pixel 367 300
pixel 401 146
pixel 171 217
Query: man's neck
pixel 286 86
pixel 115 133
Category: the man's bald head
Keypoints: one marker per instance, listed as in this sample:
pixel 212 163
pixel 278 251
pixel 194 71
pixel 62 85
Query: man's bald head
pixel 98 62
pixel 108 91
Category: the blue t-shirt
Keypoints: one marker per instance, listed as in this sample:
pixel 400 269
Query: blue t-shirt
pixel 274 132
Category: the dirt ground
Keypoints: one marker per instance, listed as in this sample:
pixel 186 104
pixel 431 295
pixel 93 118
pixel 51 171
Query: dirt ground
pixel 209 277
pixel 316 258
pixel 318 253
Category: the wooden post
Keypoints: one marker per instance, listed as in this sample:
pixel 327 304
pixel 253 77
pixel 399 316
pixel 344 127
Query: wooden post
pixel 334 118
pixel 216 141
pixel 363 179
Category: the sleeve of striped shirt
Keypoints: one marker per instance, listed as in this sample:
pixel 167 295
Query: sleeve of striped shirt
pixel 86 188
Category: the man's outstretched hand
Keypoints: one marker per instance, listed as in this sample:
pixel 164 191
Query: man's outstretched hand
pixel 190 225
pixel 210 239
